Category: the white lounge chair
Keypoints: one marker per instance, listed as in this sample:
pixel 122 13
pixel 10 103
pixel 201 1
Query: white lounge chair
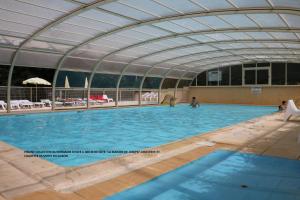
pixel 25 104
pixel 291 110
pixel 47 102
pixel 105 97
pixel 3 105
pixel 14 104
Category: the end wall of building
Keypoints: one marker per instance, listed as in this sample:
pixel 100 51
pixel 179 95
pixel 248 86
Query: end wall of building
pixel 269 95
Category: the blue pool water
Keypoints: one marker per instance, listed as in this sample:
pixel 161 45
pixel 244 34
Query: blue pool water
pixel 126 129
pixel 224 175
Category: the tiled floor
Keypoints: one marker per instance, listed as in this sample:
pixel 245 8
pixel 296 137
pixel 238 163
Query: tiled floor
pixel 268 135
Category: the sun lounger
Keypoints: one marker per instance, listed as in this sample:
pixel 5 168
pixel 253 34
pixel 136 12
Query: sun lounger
pixel 14 104
pixel 3 105
pixel 25 104
pixel 291 110
pixel 107 99
pixel 39 104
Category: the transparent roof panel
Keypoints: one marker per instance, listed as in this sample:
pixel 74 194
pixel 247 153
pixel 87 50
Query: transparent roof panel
pixel 5 55
pixel 284 35
pixel 88 54
pixel 64 36
pixel 149 6
pixel 238 20
pixel 25 8
pixel 111 67
pixel 136 35
pixel 202 38
pixel 79 64
pixel 252 3
pixel 37 59
pixel 59 5
pixel 121 58
pixel 191 24
pixel 22 18
pixel 176 73
pixel 259 35
pixel 292 20
pixel 10 41
pixel 239 36
pixel 151 30
pixel 214 4
pixel 157 71
pixel 218 36
pixel 171 27
pixel 286 3
pixel 267 20
pixel 137 69
pixel 183 6
pixel 273 45
pixel 106 18
pixel 11 28
pixel 213 22
pixel 68 28
pixel 127 11
pixel 90 24
pixel 34 44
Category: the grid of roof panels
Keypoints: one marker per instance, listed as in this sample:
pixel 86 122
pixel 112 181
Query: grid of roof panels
pixel 163 38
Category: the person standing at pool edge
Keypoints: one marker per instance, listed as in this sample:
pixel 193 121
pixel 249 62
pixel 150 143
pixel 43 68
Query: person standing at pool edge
pixel 194 103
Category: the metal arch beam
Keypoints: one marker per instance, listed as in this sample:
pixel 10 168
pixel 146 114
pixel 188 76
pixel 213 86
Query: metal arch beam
pixel 182 47
pixel 64 17
pixel 179 16
pixel 201 53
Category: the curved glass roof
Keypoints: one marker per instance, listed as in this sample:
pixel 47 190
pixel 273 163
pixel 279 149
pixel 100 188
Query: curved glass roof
pixel 161 38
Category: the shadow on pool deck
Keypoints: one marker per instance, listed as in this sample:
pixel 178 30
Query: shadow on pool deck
pixel 267 135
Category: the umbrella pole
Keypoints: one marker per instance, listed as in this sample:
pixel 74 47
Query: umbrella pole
pixel 35 92
pixel 30 93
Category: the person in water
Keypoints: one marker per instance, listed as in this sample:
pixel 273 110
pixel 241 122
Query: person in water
pixel 172 102
pixel 195 103
pixel 283 106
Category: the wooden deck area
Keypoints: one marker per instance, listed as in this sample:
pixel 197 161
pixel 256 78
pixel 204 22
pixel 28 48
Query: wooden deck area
pixel 36 179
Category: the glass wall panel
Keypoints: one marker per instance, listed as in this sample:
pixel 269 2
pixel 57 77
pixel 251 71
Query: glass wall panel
pixel 236 75
pixel 75 79
pixel 184 83
pixel 278 73
pixel 169 83
pixel 293 74
pixel 30 91
pixel 263 64
pixel 213 77
pixel 263 76
pixel 151 83
pixel 250 77
pixel 249 65
pixel 131 81
pixel 3 74
pixel 3 82
pixel 201 79
pixel 224 71
pixel 105 81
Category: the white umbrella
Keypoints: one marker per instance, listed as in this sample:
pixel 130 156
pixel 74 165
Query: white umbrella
pixel 36 81
pixel 67 84
pixel 86 83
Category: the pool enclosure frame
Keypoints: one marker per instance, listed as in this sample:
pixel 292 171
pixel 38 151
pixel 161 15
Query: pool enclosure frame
pixel 192 65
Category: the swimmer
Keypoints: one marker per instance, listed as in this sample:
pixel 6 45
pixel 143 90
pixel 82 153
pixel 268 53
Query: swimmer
pixel 194 103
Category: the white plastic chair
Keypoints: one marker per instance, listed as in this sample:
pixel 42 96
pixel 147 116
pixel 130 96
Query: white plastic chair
pixel 3 105
pixel 291 110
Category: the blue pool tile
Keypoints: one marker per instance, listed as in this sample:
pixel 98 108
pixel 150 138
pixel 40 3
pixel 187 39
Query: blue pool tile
pixel 224 175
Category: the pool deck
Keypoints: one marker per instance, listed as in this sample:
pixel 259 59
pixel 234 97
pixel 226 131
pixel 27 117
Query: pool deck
pixel 37 179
